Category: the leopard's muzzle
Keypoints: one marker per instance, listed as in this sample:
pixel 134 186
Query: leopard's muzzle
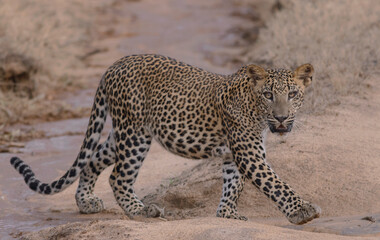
pixel 280 124
pixel 280 128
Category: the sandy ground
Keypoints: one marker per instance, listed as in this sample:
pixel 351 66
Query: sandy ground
pixel 331 158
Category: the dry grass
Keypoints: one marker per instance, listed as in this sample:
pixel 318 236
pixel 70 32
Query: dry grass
pixel 52 32
pixel 53 35
pixel 340 38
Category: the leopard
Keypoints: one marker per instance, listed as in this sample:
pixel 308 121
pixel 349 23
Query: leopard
pixel 192 113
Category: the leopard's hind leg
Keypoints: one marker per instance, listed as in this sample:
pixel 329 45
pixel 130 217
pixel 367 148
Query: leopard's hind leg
pixel 103 157
pixel 132 146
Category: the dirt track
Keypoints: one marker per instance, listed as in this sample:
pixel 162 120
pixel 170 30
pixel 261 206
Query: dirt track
pixel 331 158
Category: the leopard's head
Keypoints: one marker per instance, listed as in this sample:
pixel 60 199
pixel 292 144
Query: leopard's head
pixel 279 93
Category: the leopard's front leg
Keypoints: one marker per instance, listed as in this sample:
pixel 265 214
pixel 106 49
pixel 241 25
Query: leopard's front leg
pixel 233 184
pixel 249 155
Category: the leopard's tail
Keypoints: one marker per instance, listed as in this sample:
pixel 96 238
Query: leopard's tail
pixel 95 126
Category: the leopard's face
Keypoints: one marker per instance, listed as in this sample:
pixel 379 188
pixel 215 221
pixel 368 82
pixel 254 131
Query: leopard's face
pixel 280 98
pixel 279 94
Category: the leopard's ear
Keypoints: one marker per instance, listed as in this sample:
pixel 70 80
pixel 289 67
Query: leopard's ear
pixel 257 74
pixel 304 74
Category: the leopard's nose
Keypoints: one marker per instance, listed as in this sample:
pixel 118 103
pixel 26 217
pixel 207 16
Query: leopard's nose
pixel 281 119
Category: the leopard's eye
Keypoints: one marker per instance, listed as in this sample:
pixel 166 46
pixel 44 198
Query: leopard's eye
pixel 292 94
pixel 268 95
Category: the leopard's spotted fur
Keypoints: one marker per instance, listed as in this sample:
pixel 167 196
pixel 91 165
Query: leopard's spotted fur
pixel 192 113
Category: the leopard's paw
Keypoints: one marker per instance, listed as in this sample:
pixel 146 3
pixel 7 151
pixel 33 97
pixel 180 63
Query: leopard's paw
pixel 306 213
pixel 154 211
pixel 227 212
pixel 90 204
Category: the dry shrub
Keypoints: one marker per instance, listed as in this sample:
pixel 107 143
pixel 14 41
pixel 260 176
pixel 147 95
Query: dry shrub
pixel 16 75
pixel 54 33
pixel 194 193
pixel 41 42
pixel 340 38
